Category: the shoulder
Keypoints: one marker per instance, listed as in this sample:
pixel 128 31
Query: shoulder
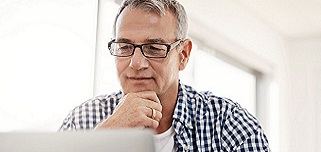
pixel 90 112
pixel 207 101
pixel 100 102
pixel 230 126
pixel 240 130
pixel 206 97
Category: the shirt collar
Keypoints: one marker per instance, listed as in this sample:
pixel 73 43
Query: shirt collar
pixel 183 112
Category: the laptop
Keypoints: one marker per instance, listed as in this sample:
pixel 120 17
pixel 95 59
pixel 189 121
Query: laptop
pixel 121 140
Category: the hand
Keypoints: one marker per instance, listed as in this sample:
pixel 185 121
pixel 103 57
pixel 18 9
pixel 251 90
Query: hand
pixel 135 111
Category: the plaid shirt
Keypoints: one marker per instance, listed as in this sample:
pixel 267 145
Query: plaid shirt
pixel 201 121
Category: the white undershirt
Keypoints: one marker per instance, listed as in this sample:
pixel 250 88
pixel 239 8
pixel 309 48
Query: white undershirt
pixel 164 142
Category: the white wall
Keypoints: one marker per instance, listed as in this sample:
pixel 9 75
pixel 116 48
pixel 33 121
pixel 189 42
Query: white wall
pixel 293 67
pixel 303 112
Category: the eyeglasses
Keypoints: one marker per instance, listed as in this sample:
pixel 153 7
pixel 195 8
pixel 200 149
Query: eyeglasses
pixel 149 50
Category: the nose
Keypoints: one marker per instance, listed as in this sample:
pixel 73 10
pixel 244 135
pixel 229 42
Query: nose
pixel 138 61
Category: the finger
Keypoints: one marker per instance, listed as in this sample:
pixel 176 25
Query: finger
pixel 154 105
pixel 151 123
pixel 153 114
pixel 138 99
pixel 150 95
pixel 148 98
pixel 158 116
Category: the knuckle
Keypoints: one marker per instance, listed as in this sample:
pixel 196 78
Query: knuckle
pixel 155 124
pixel 160 107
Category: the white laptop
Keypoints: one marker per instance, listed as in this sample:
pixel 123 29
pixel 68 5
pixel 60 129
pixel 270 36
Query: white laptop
pixel 123 140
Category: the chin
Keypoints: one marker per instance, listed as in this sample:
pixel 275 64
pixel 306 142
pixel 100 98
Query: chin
pixel 136 88
pixel 140 89
pixel 133 86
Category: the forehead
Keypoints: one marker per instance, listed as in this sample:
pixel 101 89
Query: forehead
pixel 138 25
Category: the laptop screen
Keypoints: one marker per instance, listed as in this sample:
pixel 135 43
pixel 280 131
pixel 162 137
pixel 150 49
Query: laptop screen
pixel 121 140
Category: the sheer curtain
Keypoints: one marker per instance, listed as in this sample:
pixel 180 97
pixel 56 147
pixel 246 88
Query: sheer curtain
pixel 46 60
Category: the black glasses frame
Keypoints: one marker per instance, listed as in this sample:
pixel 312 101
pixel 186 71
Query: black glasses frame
pixel 168 46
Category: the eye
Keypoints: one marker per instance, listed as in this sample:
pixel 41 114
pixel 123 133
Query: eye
pixel 154 48
pixel 123 49
pixel 124 46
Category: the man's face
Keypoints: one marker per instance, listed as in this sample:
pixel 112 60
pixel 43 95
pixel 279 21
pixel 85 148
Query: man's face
pixel 138 73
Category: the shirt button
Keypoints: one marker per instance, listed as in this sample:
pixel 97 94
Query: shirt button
pixel 186 148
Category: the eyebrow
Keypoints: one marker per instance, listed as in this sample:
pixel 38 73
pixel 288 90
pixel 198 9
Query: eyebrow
pixel 156 40
pixel 123 40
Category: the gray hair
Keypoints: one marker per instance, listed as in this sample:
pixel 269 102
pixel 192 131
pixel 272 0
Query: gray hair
pixel 159 7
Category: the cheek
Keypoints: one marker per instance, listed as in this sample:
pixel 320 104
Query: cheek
pixel 120 66
pixel 168 70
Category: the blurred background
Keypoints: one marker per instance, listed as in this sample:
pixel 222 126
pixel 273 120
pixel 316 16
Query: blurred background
pixel 264 55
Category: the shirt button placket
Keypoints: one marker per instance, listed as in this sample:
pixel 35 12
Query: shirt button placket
pixel 186 147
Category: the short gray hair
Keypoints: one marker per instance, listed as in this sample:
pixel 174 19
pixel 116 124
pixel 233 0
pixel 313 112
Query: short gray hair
pixel 159 7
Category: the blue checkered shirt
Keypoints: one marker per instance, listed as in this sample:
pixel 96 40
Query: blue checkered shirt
pixel 201 121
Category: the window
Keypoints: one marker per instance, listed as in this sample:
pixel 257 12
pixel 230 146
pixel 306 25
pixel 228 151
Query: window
pixel 208 72
pixel 46 60
pixel 105 73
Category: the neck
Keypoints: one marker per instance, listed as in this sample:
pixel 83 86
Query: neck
pixel 166 121
pixel 168 102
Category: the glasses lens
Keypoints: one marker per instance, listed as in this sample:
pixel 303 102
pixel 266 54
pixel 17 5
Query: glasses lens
pixel 122 49
pixel 155 50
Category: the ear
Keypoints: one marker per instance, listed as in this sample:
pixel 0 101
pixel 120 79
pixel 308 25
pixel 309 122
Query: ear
pixel 185 53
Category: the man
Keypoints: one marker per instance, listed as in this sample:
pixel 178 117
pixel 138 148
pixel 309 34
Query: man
pixel 151 47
